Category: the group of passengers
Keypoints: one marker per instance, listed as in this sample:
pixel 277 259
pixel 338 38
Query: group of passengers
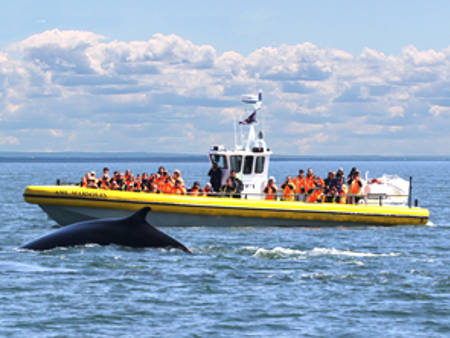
pixel 307 188
pixel 160 182
pixel 312 188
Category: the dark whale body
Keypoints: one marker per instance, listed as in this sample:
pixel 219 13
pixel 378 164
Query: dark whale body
pixel 132 231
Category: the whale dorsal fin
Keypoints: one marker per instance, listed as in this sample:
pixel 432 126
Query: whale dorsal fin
pixel 140 216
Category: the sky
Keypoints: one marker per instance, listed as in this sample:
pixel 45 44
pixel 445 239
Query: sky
pixel 337 77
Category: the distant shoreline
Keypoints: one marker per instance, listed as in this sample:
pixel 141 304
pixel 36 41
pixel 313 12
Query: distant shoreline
pixel 74 157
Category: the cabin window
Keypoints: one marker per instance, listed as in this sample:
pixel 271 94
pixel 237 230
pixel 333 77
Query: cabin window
pixel 220 160
pixel 259 166
pixel 248 164
pixel 236 163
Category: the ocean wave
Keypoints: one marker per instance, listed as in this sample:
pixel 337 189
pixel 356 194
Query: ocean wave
pixel 281 252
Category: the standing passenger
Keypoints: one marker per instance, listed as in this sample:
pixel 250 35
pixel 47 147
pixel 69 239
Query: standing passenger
pixel 215 174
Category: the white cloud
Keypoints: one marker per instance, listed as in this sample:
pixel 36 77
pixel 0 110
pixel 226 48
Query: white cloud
pixel 79 90
pixel 439 110
pixel 9 140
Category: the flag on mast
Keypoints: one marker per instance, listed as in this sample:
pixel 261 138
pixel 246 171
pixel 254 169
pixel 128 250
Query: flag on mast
pixel 250 119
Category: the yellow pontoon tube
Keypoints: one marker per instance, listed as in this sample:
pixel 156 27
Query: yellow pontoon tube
pixel 69 204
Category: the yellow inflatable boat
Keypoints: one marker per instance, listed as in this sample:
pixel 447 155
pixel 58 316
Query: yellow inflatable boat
pixel 69 204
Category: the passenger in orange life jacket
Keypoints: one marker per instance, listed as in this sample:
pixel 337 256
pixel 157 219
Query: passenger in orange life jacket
pixel 137 184
pixel 195 190
pixel 309 181
pixel 271 189
pixel 317 194
pixel 355 188
pixel 178 189
pixel 127 174
pixel 105 181
pixel 207 190
pixel 83 182
pixel 167 185
pixel 341 190
pixel 299 182
pixel 287 190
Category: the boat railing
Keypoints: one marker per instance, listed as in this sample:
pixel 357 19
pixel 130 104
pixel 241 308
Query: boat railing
pixel 371 198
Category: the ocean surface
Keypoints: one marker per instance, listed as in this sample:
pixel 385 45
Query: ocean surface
pixel 240 281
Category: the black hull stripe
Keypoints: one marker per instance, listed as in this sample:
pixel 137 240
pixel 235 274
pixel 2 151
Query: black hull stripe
pixel 224 207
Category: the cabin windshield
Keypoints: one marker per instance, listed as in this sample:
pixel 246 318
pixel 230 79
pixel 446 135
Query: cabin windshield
pixel 220 160
pixel 236 163
pixel 259 166
pixel 248 164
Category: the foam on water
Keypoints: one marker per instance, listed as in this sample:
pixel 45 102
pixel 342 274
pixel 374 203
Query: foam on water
pixel 281 252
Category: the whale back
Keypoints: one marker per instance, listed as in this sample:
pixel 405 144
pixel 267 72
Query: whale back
pixel 133 231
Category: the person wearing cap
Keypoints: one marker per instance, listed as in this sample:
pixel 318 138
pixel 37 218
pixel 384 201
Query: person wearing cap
pixel 271 189
pixel 92 182
pixel 176 176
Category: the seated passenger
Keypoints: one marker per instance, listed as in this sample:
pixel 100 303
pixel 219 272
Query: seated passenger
pixel 341 191
pixel 287 190
pixel 167 184
pixel 178 188
pixel 271 189
pixel 207 190
pixel 238 185
pixel 92 182
pixel 83 182
pixel 177 176
pixel 105 181
pixel 229 189
pixel 129 182
pixel 195 190
pixel 317 194
pixel 329 183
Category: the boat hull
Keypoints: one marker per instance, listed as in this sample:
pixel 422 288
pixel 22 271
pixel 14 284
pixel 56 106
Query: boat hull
pixel 69 204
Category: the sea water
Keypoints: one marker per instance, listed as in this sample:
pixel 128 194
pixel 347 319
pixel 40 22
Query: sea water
pixel 240 281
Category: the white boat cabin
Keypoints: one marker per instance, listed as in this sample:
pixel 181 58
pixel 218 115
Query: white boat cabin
pixel 250 161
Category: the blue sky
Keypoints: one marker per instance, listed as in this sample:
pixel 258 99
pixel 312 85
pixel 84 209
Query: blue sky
pixel 339 77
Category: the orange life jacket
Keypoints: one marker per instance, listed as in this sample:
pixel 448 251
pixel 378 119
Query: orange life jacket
pixel 271 192
pixel 343 195
pixel 178 190
pixel 355 188
pixel 287 191
pixel 195 192
pixel 299 184
pixel 309 183
pixel 315 196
